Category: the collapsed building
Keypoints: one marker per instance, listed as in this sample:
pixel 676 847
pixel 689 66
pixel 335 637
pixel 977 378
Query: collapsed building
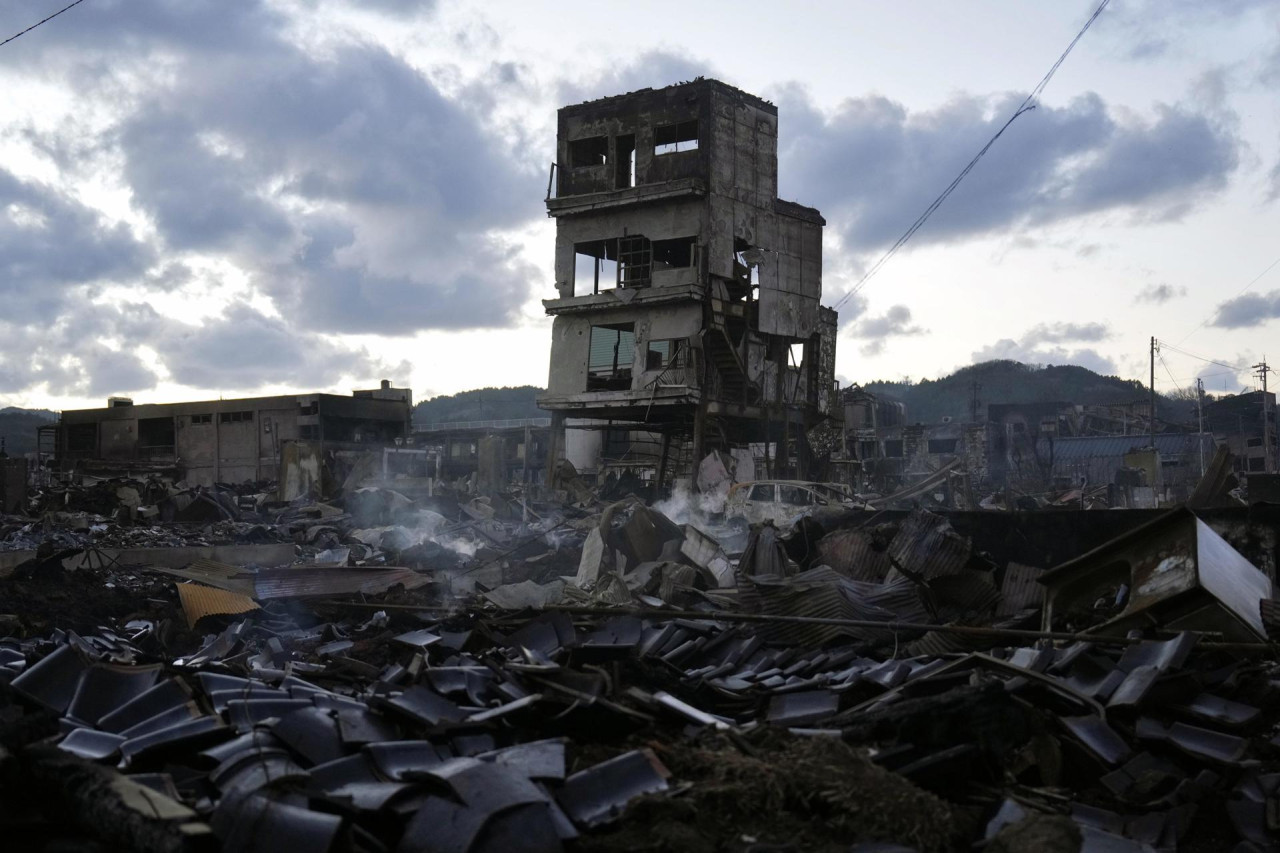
pixel 687 317
pixel 1246 424
pixel 1043 452
pixel 227 441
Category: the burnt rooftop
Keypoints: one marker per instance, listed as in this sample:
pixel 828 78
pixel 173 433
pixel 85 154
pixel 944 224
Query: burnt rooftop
pixel 696 86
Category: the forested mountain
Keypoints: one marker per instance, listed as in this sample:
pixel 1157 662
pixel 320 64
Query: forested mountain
pixel 930 400
pixel 481 404
pixel 18 428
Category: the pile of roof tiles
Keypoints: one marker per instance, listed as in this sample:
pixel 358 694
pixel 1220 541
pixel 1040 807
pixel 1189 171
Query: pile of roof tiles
pixel 791 712
pixel 462 740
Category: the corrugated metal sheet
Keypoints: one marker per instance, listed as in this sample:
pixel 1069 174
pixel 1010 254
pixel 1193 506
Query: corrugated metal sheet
pixel 824 593
pixel 852 553
pixel 1109 446
pixel 304 581
pixel 200 601
pixel 212 573
pixel 1020 589
pixel 926 546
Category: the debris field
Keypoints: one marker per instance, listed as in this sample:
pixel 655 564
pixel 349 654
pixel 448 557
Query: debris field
pixel 453 673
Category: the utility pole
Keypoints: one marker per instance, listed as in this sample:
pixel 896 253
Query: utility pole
pixel 1262 369
pixel 1152 413
pixel 1200 414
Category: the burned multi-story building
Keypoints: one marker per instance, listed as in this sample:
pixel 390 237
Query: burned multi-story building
pixel 1246 424
pixel 224 440
pixel 689 293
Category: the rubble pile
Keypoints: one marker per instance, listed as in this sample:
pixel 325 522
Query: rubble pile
pixel 453 676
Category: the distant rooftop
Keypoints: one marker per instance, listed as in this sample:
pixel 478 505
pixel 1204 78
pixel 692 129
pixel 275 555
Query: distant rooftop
pixel 1107 446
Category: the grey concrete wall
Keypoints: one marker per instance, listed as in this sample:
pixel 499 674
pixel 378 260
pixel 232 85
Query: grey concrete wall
pixel 571 341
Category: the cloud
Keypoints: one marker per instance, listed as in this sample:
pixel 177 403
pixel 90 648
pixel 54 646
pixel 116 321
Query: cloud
pixel 1158 294
pixel 1151 29
pixel 875 331
pixel 1273 182
pixel 243 348
pixel 872 165
pixel 1042 344
pixel 50 242
pixel 1251 309
pixel 342 188
pixel 1056 333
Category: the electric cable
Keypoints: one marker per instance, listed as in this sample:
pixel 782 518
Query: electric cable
pixel 1026 106
pixel 38 23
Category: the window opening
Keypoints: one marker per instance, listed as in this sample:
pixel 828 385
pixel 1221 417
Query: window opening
pixel 156 433
pixel 625 174
pixel 82 438
pixel 666 354
pixel 635 261
pixel 592 151
pixel 201 419
pixel 612 351
pixel 794 495
pixel 893 449
pixel 745 275
pixel 235 417
pixel 762 493
pixel 796 355
pixel 674 138
pixel 677 253
pixel 309 431
pixel 596 263
pixel 622 262
pixel 942 445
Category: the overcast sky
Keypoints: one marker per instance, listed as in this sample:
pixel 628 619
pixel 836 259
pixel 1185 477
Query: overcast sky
pixel 203 198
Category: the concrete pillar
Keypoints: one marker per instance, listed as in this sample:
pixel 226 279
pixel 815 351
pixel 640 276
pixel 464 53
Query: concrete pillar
pixel 491 465
pixel 662 463
pixel 699 427
pixel 555 436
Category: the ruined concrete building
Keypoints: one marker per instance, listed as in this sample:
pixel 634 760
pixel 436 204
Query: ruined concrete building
pixel 688 292
pixel 225 441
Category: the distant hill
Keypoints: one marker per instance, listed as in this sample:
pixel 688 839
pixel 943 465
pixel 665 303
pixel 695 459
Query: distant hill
pixel 18 428
pixel 481 404
pixel 930 400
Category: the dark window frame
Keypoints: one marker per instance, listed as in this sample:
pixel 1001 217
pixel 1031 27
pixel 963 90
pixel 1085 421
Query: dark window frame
pixel 589 152
pixel 615 373
pixel 668 138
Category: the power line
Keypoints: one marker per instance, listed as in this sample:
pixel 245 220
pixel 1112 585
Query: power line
pixel 1170 372
pixel 38 23
pixel 1238 368
pixel 1025 106
pixel 1254 281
